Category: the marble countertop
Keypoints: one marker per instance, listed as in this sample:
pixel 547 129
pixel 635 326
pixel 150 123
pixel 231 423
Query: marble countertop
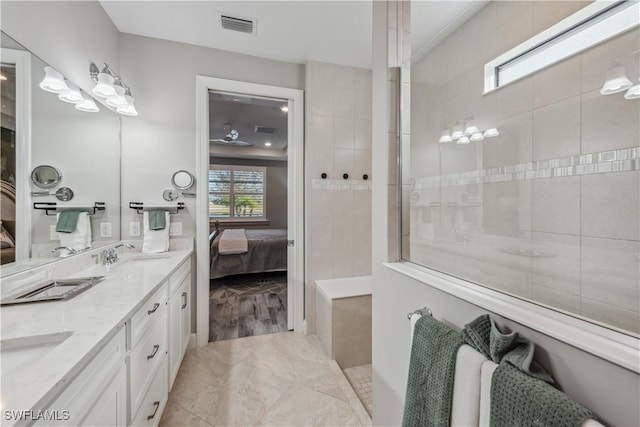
pixel 92 317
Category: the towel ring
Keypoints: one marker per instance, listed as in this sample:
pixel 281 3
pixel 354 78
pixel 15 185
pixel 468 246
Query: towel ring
pixel 424 311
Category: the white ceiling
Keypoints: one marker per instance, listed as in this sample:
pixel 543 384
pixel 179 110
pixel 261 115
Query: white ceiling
pixel 338 32
pixel 295 31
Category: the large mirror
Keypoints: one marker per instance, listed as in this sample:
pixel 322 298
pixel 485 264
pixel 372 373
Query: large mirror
pixel 41 133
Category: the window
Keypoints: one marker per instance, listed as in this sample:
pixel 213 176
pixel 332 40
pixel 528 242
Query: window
pixel 589 27
pixel 237 192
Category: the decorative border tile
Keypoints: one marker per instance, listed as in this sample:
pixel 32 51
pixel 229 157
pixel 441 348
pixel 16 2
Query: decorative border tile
pixel 626 159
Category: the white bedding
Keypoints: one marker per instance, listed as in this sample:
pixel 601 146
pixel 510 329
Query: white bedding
pixel 233 241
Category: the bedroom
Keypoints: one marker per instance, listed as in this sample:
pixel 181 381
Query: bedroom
pixel 248 215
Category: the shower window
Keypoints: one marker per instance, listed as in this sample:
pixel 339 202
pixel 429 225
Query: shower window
pixel 532 189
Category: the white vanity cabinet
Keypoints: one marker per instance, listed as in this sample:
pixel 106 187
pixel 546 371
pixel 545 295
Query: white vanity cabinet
pixel 179 317
pixel 98 395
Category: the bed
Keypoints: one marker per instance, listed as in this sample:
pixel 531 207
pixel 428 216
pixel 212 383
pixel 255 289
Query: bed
pixel 266 251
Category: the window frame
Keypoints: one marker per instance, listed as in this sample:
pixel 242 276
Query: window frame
pixel 232 193
pixel 590 26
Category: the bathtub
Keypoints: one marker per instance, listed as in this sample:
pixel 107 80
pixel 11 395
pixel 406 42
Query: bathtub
pixel 343 310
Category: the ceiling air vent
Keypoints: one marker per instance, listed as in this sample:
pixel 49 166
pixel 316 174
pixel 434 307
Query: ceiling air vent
pixel 264 129
pixel 234 23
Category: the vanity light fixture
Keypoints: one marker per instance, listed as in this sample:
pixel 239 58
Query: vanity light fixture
pixel 53 81
pixel 463 140
pixel 109 85
pixel 475 137
pixel 445 138
pixel 490 133
pixel 87 105
pixel 616 80
pixel 470 128
pixel 72 95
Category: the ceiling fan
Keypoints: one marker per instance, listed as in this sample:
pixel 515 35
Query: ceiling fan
pixel 231 138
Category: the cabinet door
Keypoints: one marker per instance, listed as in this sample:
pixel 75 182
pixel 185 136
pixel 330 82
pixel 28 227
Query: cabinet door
pixel 110 408
pixel 185 314
pixel 175 342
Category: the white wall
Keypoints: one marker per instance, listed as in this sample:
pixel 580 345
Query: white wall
pixel 337 141
pixel 276 185
pixel 610 391
pixel 68 35
pixel 161 139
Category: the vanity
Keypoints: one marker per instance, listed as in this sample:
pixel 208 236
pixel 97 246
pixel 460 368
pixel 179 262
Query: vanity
pixel 107 356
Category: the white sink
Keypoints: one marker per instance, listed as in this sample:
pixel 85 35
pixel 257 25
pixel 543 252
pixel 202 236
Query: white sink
pixel 17 354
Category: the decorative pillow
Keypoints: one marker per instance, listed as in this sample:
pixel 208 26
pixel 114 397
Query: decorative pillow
pixel 6 240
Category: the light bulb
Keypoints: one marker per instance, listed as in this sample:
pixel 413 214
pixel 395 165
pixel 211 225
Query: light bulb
pixel 463 140
pixel 284 109
pixel 267 144
pixel 457 131
pixel 476 137
pixel 616 80
pixel 445 137
pixel 119 100
pixel 72 95
pixel 104 88
pixel 490 133
pixel 129 109
pixel 53 81
pixel 470 129
pixel 87 105
pixel 633 92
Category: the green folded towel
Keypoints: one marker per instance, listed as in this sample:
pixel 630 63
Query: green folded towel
pixel 67 221
pixel 519 400
pixel 431 373
pixel 157 220
pixel 484 335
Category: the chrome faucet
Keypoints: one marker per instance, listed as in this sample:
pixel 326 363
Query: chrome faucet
pixel 110 256
pixel 70 250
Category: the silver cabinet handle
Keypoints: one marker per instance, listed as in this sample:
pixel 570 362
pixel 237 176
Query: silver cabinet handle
pixel 153 310
pixel 155 350
pixel 157 405
pixel 184 305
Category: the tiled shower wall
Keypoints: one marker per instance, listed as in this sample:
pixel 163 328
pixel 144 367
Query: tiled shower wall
pixel 548 210
pixel 337 142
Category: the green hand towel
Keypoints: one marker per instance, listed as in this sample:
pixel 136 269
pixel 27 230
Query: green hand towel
pixel 484 335
pixel 67 221
pixel 431 373
pixel 519 400
pixel 157 220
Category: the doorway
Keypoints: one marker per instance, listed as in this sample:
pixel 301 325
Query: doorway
pixel 248 209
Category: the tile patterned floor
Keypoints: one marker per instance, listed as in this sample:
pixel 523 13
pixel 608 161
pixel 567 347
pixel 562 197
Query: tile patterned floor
pixel 360 378
pixel 281 379
pixel 247 305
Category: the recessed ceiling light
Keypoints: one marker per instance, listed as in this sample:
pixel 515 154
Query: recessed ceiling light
pixel 285 108
pixel 267 144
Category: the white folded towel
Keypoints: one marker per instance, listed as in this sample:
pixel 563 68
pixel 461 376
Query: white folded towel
pixel 233 241
pixel 465 405
pixel 155 241
pixel 80 239
pixel 486 373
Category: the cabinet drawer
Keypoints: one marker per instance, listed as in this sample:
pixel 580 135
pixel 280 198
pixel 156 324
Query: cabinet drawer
pixel 154 400
pixel 146 357
pixel 178 276
pixel 150 311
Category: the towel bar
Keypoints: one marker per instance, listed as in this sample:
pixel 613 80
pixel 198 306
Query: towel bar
pixel 49 207
pixel 140 207
pixel 424 311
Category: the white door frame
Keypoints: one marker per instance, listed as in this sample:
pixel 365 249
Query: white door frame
pixel 295 195
pixel 22 61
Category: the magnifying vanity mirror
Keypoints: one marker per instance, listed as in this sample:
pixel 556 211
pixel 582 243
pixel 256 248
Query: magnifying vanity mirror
pixel 182 180
pixel 45 176
pixel 39 131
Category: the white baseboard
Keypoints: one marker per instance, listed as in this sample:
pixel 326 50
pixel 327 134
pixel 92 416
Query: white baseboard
pixel 192 341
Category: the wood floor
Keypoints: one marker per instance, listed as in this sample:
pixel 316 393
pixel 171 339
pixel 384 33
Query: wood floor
pixel 247 305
